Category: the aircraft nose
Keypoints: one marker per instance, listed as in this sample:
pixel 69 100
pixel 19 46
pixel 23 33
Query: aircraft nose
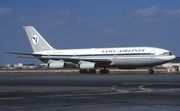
pixel 172 57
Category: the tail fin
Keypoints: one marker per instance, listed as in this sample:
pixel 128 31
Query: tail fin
pixel 38 43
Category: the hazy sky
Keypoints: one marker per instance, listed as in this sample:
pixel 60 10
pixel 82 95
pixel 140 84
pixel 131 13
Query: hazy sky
pixel 89 24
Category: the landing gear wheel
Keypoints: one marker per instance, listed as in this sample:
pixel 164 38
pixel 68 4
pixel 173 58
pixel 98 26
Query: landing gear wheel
pixel 93 71
pixel 151 71
pixel 104 71
pixel 82 71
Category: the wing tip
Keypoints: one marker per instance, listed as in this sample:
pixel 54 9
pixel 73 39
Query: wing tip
pixel 7 52
pixel 19 57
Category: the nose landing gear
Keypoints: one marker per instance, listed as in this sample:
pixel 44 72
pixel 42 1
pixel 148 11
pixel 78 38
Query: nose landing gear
pixel 151 71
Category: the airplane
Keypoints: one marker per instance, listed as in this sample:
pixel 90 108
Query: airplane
pixel 87 60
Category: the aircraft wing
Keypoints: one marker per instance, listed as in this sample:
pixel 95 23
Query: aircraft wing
pixel 76 59
pixel 65 58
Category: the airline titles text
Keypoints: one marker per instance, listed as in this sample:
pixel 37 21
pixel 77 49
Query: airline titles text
pixel 123 50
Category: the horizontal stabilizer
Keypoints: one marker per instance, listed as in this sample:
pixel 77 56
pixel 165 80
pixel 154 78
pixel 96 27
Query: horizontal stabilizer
pixel 23 53
pixel 20 57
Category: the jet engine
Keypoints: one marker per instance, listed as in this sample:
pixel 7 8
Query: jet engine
pixel 87 65
pixel 57 64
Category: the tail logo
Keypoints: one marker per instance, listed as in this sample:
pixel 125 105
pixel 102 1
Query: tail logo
pixel 35 39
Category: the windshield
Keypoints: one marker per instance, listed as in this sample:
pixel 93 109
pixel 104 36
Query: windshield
pixel 167 53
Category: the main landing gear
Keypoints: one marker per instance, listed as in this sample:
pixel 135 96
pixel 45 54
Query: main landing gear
pixel 104 71
pixel 93 71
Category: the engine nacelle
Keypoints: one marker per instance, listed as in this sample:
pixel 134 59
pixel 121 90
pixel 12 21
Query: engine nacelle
pixel 57 64
pixel 87 65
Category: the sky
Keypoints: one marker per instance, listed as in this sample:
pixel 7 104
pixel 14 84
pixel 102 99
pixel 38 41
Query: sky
pixel 89 24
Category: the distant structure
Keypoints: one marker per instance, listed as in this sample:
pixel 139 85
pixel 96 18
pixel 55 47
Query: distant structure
pixel 176 60
pixel 171 67
pixel 19 66
pixel 174 66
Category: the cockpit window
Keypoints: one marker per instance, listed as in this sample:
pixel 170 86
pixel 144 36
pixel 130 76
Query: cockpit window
pixel 170 53
pixel 167 53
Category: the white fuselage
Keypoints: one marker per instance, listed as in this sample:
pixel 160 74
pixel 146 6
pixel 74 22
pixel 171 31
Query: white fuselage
pixel 125 57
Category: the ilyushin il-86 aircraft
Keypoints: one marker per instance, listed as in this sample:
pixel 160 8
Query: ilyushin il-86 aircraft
pixel 87 60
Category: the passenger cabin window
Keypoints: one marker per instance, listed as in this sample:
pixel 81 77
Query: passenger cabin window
pixel 167 53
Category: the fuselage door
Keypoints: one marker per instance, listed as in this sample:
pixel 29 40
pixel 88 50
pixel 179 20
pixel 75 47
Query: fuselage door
pixel 115 58
pixel 152 53
pixel 74 54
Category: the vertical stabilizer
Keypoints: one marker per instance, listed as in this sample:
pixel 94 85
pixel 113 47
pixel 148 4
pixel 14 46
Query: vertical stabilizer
pixel 38 43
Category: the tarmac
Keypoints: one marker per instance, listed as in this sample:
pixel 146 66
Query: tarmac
pixel 87 92
pixel 76 71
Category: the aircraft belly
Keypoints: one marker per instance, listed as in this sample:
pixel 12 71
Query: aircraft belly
pixel 137 61
pixel 119 61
